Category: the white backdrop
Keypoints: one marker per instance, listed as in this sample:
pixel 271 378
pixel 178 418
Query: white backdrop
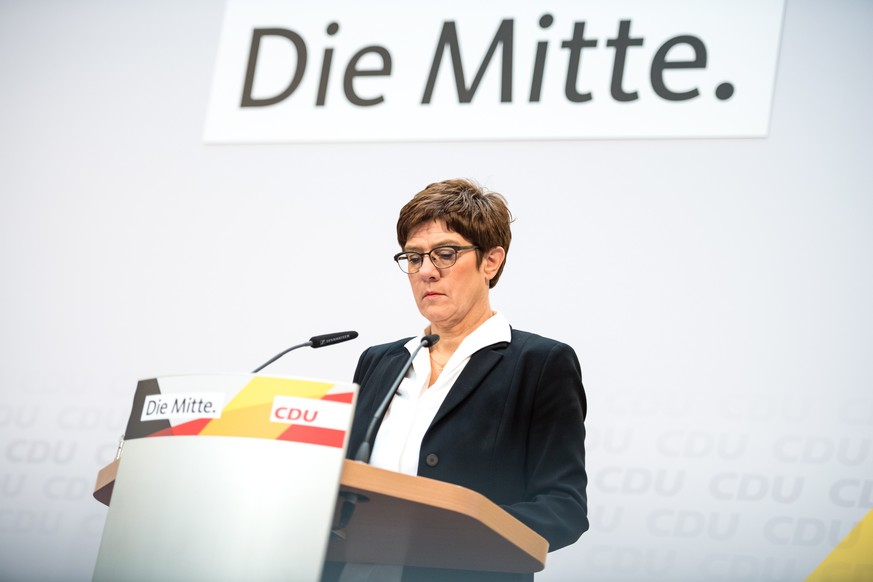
pixel 716 291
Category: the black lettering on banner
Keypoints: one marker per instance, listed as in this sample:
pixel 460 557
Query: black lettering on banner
pixel 660 62
pixel 179 406
pixel 375 61
pixel 352 71
pixel 621 43
pixel 332 29
pixel 449 38
pixel 536 82
pixel 300 47
pixel 575 46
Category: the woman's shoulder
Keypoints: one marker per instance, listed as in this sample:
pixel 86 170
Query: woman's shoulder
pixel 533 341
pixel 527 345
pixel 374 357
pixel 381 350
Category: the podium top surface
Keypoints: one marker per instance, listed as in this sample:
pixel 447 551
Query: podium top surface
pixel 423 522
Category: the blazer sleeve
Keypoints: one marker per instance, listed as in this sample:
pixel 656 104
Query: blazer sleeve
pixel 555 503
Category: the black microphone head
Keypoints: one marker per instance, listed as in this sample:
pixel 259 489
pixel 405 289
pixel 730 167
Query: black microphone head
pixel 429 340
pixel 329 339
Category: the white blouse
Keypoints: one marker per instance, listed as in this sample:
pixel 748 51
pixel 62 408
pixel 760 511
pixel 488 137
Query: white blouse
pixel 415 405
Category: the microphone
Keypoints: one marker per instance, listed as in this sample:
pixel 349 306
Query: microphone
pixel 318 341
pixel 365 450
pixel 328 339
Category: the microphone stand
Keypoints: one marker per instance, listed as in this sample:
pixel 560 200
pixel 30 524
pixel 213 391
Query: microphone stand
pixel 279 355
pixel 350 499
pixel 365 450
pixel 318 341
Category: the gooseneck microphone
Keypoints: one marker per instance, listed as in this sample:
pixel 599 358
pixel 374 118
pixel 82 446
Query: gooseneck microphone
pixel 318 341
pixel 365 450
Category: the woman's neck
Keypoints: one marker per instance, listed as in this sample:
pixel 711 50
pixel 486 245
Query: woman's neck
pixel 452 336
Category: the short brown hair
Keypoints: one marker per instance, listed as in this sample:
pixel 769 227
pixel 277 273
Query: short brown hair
pixel 477 214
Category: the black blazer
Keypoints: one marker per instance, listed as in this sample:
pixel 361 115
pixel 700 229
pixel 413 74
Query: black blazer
pixel 511 428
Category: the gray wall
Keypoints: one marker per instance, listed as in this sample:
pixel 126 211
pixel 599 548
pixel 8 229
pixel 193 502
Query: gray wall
pixel 717 291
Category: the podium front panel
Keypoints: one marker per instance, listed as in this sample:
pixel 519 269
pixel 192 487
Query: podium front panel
pixel 227 478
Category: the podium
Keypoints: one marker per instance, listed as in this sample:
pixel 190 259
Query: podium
pixel 267 513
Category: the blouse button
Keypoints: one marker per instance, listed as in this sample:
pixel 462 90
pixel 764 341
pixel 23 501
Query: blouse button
pixel 432 460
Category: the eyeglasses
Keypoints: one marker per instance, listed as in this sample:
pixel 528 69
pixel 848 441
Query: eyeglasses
pixel 441 257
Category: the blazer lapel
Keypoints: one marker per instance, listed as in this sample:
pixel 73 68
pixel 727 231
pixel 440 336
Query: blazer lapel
pixel 473 375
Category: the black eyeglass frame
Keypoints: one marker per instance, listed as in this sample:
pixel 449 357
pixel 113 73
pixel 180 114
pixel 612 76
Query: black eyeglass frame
pixel 406 254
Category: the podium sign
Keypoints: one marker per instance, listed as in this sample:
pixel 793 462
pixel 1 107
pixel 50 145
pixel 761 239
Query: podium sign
pixel 227 478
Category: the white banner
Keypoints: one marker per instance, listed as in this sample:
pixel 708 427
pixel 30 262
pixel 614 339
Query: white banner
pixel 400 71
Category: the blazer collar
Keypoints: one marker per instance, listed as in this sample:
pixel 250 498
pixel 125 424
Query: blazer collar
pixel 480 365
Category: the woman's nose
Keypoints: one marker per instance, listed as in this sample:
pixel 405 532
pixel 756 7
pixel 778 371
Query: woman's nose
pixel 428 270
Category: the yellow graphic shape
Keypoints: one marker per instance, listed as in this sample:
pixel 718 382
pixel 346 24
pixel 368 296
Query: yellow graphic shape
pixel 248 413
pixel 852 559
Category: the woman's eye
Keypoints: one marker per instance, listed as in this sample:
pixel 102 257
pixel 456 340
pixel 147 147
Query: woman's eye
pixel 445 254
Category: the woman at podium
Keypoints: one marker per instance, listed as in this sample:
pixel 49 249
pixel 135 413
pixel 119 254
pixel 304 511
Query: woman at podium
pixel 492 408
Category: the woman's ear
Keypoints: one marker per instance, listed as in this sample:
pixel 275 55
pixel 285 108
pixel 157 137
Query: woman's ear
pixel 491 261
